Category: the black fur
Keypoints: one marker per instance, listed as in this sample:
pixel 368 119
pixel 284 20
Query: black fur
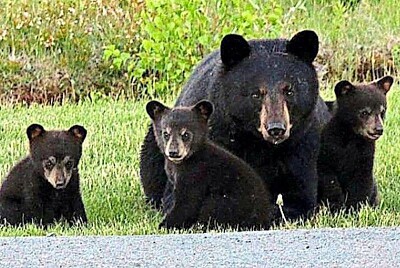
pixel 26 196
pixel 289 168
pixel 345 164
pixel 210 186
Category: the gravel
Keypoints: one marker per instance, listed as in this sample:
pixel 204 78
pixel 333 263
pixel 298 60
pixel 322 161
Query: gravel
pixel 368 247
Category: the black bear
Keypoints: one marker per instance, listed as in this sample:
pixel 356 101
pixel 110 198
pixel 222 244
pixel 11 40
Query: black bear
pixel 44 186
pixel 346 159
pixel 267 112
pixel 210 185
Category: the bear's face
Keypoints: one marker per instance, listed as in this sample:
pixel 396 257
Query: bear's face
pixel 181 131
pixel 269 94
pixel 363 107
pixel 56 154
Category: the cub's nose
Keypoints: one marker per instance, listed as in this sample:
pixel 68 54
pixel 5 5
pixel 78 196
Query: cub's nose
pixel 276 129
pixel 173 154
pixel 379 131
pixel 59 184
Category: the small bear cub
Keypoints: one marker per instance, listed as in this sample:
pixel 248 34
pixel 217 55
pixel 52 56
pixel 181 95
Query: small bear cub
pixel 346 158
pixel 211 186
pixel 44 186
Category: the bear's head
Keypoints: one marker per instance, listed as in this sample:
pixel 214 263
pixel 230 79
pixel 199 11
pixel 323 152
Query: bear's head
pixel 362 107
pixel 56 154
pixel 270 87
pixel 180 131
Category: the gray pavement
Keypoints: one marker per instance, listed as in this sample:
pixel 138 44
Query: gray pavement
pixel 371 247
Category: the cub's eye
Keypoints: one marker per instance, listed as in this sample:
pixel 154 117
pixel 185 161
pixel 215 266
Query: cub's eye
pixel 288 91
pixel 256 95
pixel 69 164
pixel 185 136
pixel 48 165
pixel 166 136
pixel 365 113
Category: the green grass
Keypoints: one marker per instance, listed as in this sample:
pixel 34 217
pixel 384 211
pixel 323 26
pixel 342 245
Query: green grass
pixel 110 167
pixel 53 50
pixel 58 49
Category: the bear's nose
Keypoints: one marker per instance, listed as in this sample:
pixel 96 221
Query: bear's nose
pixel 173 154
pixel 59 184
pixel 276 129
pixel 379 131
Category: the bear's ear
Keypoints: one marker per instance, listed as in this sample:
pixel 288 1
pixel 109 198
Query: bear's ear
pixel 204 108
pixel 78 132
pixel 385 83
pixel 155 109
pixel 34 130
pixel 304 45
pixel 343 88
pixel 234 48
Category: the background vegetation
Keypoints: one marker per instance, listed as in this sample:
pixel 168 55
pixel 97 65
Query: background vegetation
pixel 99 61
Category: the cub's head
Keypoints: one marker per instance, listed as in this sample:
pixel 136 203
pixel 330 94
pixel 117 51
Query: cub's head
pixel 180 131
pixel 362 107
pixel 56 154
pixel 270 87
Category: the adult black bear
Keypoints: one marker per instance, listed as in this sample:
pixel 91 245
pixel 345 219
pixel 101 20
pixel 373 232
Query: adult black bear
pixel 44 186
pixel 267 112
pixel 346 160
pixel 210 185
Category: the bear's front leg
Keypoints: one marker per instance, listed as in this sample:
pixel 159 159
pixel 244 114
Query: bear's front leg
pixel 301 179
pixel 185 206
pixel 152 173
pixel 78 213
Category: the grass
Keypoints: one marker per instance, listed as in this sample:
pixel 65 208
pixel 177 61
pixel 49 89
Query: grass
pixel 53 51
pixel 109 169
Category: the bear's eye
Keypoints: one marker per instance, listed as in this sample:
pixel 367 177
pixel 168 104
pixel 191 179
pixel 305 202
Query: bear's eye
pixel 48 165
pixel 289 91
pixel 166 136
pixel 256 95
pixel 185 136
pixel 365 113
pixel 69 164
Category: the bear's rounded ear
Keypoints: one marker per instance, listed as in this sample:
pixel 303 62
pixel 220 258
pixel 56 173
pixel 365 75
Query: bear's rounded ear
pixel 205 108
pixel 78 132
pixel 304 45
pixel 154 109
pixel 343 88
pixel 385 83
pixel 234 48
pixel 34 130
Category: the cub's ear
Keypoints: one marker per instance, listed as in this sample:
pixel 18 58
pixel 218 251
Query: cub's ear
pixel 385 83
pixel 204 108
pixel 234 48
pixel 79 132
pixel 342 88
pixel 35 130
pixel 304 45
pixel 154 109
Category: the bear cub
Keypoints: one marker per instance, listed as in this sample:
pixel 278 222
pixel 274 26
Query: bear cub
pixel 44 186
pixel 211 186
pixel 346 158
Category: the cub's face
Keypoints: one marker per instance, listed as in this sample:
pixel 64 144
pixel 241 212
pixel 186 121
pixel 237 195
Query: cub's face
pixel 363 107
pixel 56 154
pixel 177 141
pixel 369 122
pixel 180 131
pixel 58 172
